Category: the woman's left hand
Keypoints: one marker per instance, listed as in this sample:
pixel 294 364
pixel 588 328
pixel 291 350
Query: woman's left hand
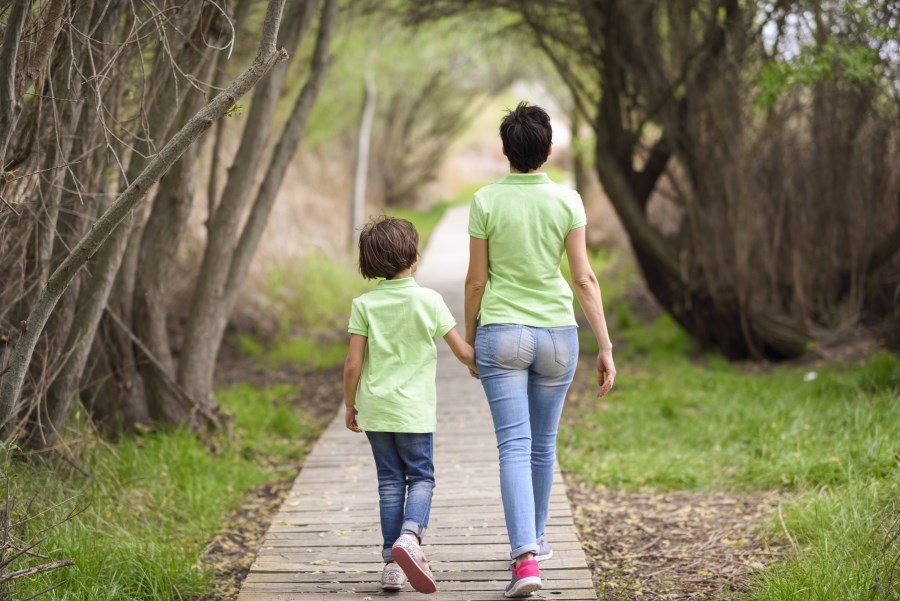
pixel 606 371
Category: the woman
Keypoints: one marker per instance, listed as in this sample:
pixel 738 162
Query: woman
pixel 520 320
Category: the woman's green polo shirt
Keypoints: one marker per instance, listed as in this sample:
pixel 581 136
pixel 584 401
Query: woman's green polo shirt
pixel 526 217
pixel 397 390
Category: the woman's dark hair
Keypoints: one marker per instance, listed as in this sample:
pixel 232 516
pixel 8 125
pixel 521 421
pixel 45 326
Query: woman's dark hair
pixel 527 136
pixel 387 246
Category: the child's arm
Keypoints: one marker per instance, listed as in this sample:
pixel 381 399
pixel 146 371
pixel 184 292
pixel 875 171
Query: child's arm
pixel 352 371
pixel 462 350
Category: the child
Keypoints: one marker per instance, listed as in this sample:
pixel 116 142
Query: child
pixel 389 390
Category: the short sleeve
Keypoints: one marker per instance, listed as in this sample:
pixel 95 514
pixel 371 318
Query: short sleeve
pixel 477 226
pixel 444 321
pixel 359 324
pixel 579 219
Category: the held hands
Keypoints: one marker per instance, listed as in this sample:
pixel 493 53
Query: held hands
pixel 606 371
pixel 350 420
pixel 473 371
pixel 470 363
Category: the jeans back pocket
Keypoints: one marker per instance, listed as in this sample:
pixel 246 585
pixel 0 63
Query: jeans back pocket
pixel 503 344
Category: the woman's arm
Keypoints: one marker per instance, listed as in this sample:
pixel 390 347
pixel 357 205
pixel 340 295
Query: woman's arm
pixel 352 370
pixel 476 280
pixel 587 289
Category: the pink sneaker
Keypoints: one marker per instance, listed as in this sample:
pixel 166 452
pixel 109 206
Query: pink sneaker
pixel 526 579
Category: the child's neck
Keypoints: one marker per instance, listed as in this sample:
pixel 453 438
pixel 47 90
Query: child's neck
pixel 406 273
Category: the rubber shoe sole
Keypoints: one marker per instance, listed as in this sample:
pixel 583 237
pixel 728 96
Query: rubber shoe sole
pixel 525 587
pixel 544 557
pixel 419 578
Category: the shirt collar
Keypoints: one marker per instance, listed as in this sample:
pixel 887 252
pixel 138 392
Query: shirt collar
pixel 409 282
pixel 526 178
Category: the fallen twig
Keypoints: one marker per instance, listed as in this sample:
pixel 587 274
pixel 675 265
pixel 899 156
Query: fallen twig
pixel 784 527
pixel 45 567
pixel 46 590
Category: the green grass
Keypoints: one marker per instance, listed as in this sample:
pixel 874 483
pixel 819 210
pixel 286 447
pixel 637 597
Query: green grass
pixel 824 437
pixel 150 504
pixel 297 352
pixel 313 295
pixel 426 221
pixel 678 423
pixel 843 552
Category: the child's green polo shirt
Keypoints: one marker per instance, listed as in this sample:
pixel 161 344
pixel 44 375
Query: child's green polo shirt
pixel 525 218
pixel 397 390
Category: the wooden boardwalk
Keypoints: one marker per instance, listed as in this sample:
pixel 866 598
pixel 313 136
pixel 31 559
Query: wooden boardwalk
pixel 325 541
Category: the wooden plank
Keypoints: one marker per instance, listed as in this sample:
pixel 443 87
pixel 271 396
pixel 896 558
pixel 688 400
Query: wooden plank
pixel 372 592
pixel 451 553
pixel 443 585
pixel 488 544
pixel 447 576
pixel 273 564
pixel 492 515
pixel 370 502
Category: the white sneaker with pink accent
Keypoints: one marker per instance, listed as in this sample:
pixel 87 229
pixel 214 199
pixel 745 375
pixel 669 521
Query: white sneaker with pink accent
pixel 409 556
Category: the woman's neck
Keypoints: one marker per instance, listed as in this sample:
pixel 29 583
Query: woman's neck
pixel 406 273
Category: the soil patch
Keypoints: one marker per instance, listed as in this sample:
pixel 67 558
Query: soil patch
pixel 232 551
pixel 674 546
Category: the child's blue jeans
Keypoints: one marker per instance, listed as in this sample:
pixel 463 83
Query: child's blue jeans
pixel 526 373
pixel 405 483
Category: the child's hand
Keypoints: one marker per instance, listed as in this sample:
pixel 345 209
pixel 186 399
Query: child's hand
pixel 473 369
pixel 350 421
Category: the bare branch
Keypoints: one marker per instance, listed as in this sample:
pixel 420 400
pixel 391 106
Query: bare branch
pixel 46 567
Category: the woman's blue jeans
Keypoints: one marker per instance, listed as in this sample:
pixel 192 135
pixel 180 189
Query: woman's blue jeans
pixel 405 483
pixel 526 373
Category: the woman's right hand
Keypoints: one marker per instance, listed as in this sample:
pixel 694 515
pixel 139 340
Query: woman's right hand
pixel 606 371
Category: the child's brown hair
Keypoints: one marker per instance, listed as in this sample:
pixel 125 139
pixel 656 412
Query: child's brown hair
pixel 387 246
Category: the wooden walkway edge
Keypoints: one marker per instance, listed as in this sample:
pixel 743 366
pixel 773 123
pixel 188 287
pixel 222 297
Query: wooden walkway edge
pixel 325 541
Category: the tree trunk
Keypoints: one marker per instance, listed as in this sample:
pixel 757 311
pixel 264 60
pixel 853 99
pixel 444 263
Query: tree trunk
pixel 212 191
pixel 12 380
pixel 47 28
pixel 9 51
pixel 281 158
pixel 167 91
pixel 207 311
pixel 362 161
pixel 162 235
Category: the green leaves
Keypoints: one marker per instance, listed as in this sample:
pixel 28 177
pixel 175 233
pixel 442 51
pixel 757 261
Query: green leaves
pixel 853 62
